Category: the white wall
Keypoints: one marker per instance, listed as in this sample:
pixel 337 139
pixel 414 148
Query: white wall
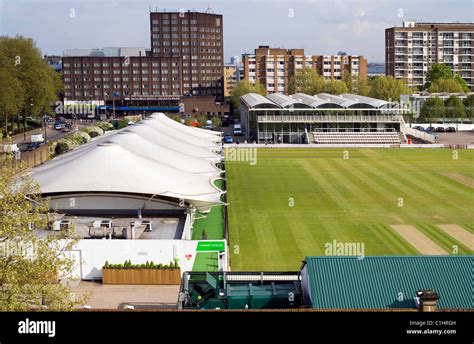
pixel 95 252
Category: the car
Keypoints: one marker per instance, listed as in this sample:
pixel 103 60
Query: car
pixel 440 130
pixel 58 126
pixel 430 129
pixel 237 130
pixel 32 146
pixel 208 125
pixel 419 127
pixel 228 139
pixel 451 129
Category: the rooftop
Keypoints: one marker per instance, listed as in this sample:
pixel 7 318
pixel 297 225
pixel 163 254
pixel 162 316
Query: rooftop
pixel 106 52
pixel 388 281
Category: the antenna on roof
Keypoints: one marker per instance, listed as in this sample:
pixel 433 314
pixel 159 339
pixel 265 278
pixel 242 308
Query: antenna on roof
pixel 209 9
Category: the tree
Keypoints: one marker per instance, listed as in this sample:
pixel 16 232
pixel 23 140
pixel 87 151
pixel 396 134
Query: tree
pixel 244 87
pixel 445 85
pixel 307 81
pixel 462 82
pixel 432 108
pixel 357 85
pixel 37 85
pixel 216 122
pixel 437 76
pixel 176 117
pixel 30 266
pixel 388 88
pixel 438 71
pixel 335 87
pixel 469 104
pixel 454 107
pixel 202 120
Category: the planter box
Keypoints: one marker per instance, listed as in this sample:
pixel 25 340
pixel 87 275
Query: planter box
pixel 141 276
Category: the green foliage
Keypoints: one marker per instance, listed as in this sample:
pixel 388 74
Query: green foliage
pixel 441 78
pixel 148 265
pixel 335 87
pixel 176 117
pixel 202 120
pixel 94 131
pixel 432 108
pixel 445 85
pixel 244 87
pixel 469 104
pixel 357 85
pixel 29 87
pixel 454 107
pixel 120 124
pixel 216 122
pixel 388 88
pixel 63 146
pixel 306 80
pixel 27 280
pixel 105 126
pixel 80 137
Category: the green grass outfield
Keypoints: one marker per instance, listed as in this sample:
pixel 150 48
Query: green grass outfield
pixel 354 200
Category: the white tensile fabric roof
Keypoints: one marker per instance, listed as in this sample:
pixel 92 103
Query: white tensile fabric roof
pixel 138 159
pixel 214 136
pixel 182 136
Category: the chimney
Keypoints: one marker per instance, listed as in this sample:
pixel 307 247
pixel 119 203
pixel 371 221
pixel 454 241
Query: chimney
pixel 427 300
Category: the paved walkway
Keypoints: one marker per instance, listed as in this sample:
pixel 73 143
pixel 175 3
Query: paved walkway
pixel 119 296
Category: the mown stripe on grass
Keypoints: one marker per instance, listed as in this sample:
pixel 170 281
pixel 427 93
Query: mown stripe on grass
pixel 442 239
pixel 412 188
pixel 388 242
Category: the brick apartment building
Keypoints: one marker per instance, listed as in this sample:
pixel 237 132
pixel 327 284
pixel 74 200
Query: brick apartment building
pixel 273 67
pixel 411 49
pixel 186 58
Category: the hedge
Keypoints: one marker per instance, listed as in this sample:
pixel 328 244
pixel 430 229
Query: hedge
pixel 81 137
pixel 94 131
pixel 64 145
pixel 105 126
pixel 148 265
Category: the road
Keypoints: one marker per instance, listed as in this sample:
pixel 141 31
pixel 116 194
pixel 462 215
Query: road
pixel 51 133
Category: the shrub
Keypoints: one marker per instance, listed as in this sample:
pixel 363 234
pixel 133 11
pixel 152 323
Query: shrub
pixel 95 131
pixel 81 137
pixel 63 146
pixel 105 126
pixel 52 148
pixel 148 265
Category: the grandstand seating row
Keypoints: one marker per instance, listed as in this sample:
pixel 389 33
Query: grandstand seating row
pixel 386 137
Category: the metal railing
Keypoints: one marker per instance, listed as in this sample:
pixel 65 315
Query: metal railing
pixel 330 118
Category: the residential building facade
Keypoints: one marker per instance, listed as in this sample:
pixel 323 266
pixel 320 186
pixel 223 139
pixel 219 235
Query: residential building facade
pixel 273 67
pixel 186 58
pixel 411 49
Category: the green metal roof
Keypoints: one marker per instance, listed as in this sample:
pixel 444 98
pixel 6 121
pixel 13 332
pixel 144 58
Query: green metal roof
pixel 388 282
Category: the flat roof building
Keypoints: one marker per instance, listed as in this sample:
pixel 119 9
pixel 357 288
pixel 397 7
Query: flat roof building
pixel 411 49
pixel 186 58
pixel 273 67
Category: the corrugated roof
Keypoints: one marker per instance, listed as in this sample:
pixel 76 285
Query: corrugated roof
pixel 379 282
pixel 254 99
pixel 312 101
pixel 339 100
pixel 284 101
pixel 376 103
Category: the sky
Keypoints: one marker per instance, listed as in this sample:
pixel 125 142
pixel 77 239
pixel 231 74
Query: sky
pixel 319 26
